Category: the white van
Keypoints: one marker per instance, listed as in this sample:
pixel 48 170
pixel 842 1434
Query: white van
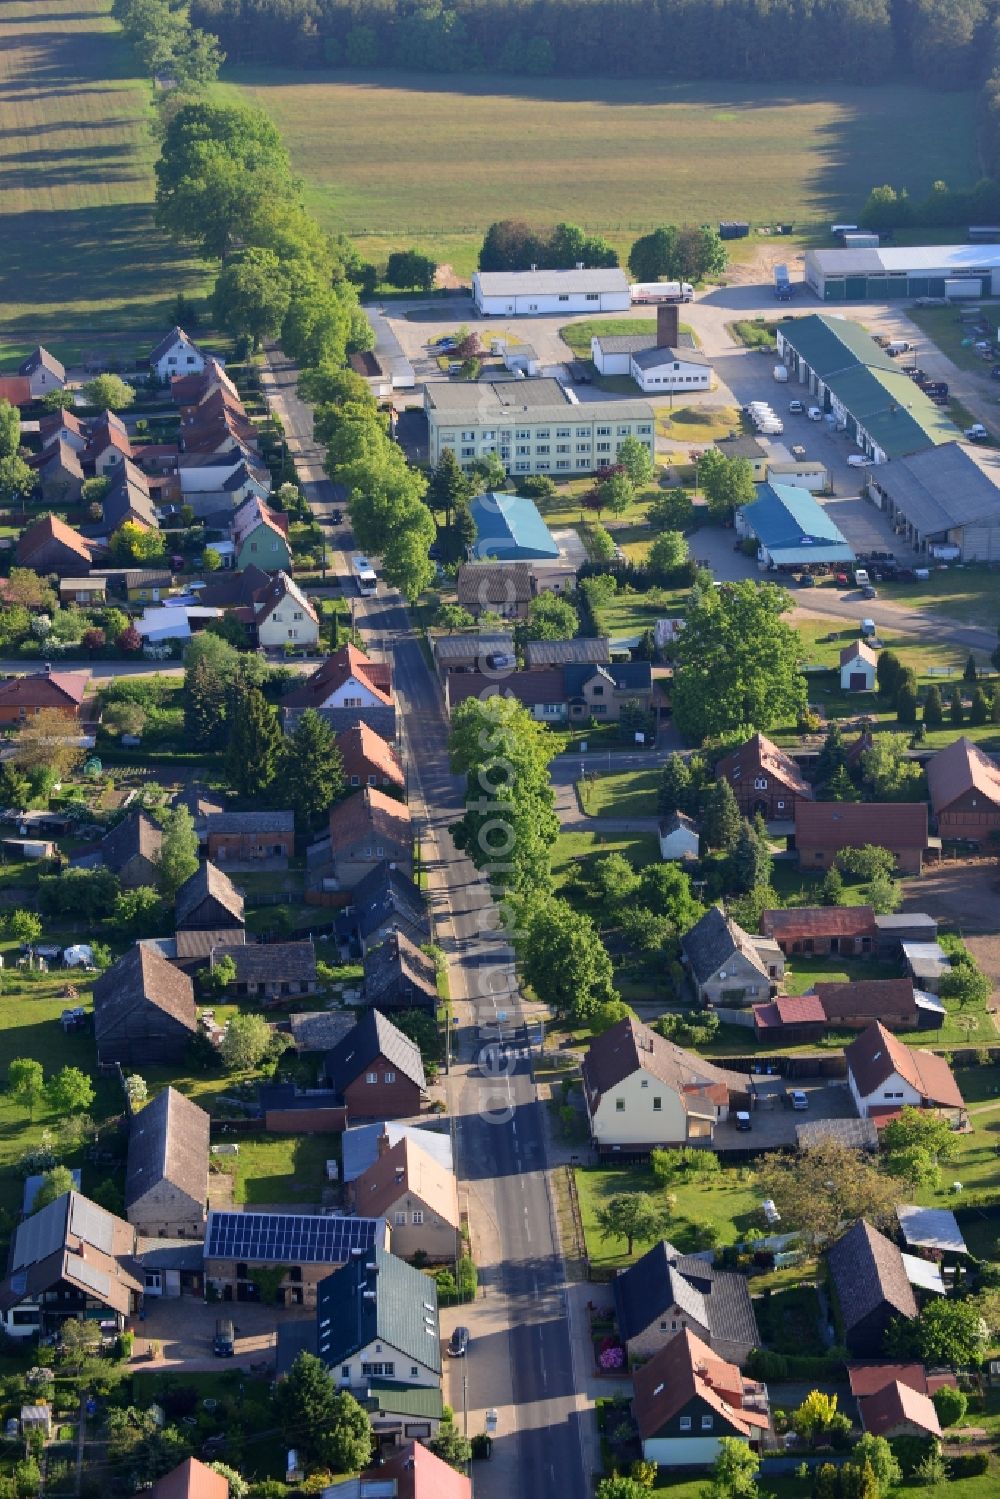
pixel 814 414
pixel 858 460
pixel 897 346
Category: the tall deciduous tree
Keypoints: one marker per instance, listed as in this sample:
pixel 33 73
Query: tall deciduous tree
pixel 10 429
pixel 736 662
pixel 246 1043
pixel 313 770
pixel 637 461
pixel 108 393
pixel 563 958
pixel 46 746
pixel 727 483
pixel 69 1091
pixel 631 1216
pixel 55 1182
pixel 26 1081
pixel 177 857
pixel 827 1185
pixel 252 295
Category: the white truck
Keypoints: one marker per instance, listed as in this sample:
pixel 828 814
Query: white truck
pixel 661 291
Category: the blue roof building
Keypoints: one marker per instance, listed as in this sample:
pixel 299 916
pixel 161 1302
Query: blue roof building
pixel 791 528
pixel 510 529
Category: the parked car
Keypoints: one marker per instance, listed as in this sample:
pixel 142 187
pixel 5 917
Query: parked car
pixel 814 414
pixel 799 453
pixel 336 517
pixel 976 433
pixel 869 592
pixel 807 580
pixel 743 1121
pixel 796 408
pixel 224 1342
pixel 842 580
pixel 799 1099
pixel 458 1347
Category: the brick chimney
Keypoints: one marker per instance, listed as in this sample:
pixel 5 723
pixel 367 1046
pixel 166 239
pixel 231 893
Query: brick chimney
pixel 666 326
pixel 383 1143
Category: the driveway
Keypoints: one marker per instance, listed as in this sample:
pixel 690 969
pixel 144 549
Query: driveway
pixel 773 1125
pixel 185 1326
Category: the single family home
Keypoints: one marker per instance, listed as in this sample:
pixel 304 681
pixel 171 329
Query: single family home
pixel 885 1075
pixel 726 965
pixel 825 829
pixel 665 1293
pixel 764 780
pixel 376 1071
pixel 964 786
pixel 349 688
pixel 686 1399
pixel 415 1194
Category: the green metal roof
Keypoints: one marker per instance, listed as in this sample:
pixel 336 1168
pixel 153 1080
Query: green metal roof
pixel 893 410
pixel 828 344
pixel 405 1399
pixel 378 1297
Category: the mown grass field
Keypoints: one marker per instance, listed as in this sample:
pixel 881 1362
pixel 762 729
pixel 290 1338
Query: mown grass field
pixel 393 158
pixel 79 252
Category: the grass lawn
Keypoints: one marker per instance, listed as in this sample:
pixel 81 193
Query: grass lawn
pixel 79 252
pixel 725 1202
pixel 629 793
pixel 966 593
pixel 282 1168
pixel 370 146
pixel 789 1320
pixel 802 971
pixel 756 333
pixel 945 328
pixel 570 848
pixel 697 423
pixel 578 335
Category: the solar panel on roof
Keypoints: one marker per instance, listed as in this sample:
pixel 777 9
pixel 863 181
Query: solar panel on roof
pixel 97 1280
pixel 278 1236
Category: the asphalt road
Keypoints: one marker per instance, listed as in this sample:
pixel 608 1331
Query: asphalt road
pixel 498 1126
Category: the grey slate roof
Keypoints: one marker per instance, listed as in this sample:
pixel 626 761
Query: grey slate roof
pixel 208 880
pixel 136 835
pixel 651 357
pixel 373 1036
pixel 625 676
pixel 624 343
pixel 583 650
pixel 523 283
pixel 141 977
pixel 944 487
pixel 403 1312
pixel 709 943
pixel 398 968
pixel 386 893
pixel 271 962
pixel 250 822
pixel 319 1030
pixel 168 1141
pixel 718 1300
pixel 867 1270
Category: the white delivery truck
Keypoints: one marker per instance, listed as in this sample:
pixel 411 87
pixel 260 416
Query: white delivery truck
pixel 661 291
pixel 781 373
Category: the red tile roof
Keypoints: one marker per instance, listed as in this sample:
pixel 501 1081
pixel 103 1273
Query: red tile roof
pixel 795 1009
pixel 891 998
pixel 868 1376
pixel 831 826
pixel 363 751
pixel 419 1473
pixel 51 528
pixel 345 664
pixel 798 922
pixel 191 1480
pixel 895 1405
pixel 686 1369
pixel 16 389
pixel 370 814
pixel 759 754
pixel 46 689
pixel 959 768
pixel 876 1054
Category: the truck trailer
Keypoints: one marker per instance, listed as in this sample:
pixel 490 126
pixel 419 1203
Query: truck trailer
pixel 661 291
pixel 782 285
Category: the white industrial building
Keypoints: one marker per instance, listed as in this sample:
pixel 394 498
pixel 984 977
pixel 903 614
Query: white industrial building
pixel 535 426
pixel 658 364
pixel 904 271
pixel 534 293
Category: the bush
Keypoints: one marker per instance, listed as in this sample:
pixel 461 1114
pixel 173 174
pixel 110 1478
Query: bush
pixel 968 1464
pixel 950 1405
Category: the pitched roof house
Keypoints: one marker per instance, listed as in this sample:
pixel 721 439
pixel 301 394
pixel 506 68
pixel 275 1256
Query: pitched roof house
pixel 871 1286
pixel 208 901
pixel 107 445
pixel 665 1292
pixel 260 537
pixel 16 389
pixel 387 900
pixel 376 1070
pixel 790 1020
pixel 365 829
pixel 250 837
pixel 378 1309
pixel 642 1091
pixel 271 971
pixel 764 779
pixel 71 1258
pixel 191 1480
pixel 130 850
pixel 50 546
pixel 679 837
pixel 964 786
pixel 727 965
pixel 347 689
pixel 398 976
pixel 166 1175
pixel 412 1191
pixel 411 1471
pixel 144 1010
pixel 128 499
pixel 858 664
pixel 504 588
pixel 362 1144
pixel 687 1398
pixel 855 1005
pixel 283 615
pixel 22 698
pixel 885 1075
pixel 43 371
pixel 848 930
pixel 176 354
pixel 897 1409
pixel 370 760
pixel 63 426
pixel 823 829
pixel 60 474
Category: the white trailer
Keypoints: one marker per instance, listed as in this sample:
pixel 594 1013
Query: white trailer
pixel 661 291
pixel 962 288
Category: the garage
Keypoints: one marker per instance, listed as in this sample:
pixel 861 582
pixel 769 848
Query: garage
pixel 945 496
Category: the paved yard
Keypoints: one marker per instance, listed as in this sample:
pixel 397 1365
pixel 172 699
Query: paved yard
pixel 185 1326
pixel 773 1125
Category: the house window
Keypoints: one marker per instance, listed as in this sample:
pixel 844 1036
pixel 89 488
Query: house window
pixel 603 431
pixel 355 780
pixel 371 1077
pixel 657 1105
pixel 780 806
pixel 253 546
pixel 564 432
pixel 345 1371
pixel 543 447
pixel 604 447
pixel 619 1105
pixel 597 691
pixel 468 436
pixel 685 1423
pixel 417 1218
pixel 564 296
pixel 592 296
pixel 399 1219
pixel 706 1423
pixel 644 1083
pixel 390 1077
pixel 414 1371
pixel 760 783
pixel 542 432
pixel 523 449
pixel 373 780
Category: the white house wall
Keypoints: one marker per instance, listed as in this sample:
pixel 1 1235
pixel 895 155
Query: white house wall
pixel 639 1123
pixel 681 1452
pixel 406 1371
pixel 894 1093
pixel 538 304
